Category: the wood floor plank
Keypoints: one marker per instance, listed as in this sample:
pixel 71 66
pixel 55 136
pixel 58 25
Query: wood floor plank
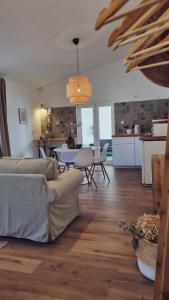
pixel 18 264
pixel 93 259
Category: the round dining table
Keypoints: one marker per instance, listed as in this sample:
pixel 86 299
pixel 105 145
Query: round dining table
pixel 68 156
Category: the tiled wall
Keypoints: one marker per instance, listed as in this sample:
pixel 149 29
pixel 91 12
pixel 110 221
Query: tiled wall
pixel 141 112
pixel 54 123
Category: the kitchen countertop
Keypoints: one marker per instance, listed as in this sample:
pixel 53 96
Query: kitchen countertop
pixel 142 137
pixel 152 138
pixel 125 135
pixel 52 139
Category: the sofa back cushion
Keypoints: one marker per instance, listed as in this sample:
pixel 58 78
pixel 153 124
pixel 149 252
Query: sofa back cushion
pixel 45 166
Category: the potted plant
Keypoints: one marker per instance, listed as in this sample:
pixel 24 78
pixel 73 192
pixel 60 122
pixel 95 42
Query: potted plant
pixel 144 238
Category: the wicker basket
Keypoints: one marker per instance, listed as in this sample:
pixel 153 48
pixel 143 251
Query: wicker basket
pixel 147 257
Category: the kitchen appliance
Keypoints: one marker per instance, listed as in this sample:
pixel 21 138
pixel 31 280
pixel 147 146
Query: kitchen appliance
pixel 159 127
pixel 136 129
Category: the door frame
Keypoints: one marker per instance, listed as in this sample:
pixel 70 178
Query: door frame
pixel 95 107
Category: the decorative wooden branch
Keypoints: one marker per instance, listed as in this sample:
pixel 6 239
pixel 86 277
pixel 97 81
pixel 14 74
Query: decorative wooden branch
pixel 160 30
pixel 146 42
pixel 147 4
pixel 134 21
pixel 137 62
pixel 106 13
pixel 162 63
pixel 143 29
pixel 163 43
pixel 146 25
pixel 136 26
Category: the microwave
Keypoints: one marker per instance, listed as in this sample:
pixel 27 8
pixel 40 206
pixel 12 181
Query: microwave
pixel 159 127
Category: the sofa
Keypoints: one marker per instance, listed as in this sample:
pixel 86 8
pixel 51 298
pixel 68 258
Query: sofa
pixel 35 202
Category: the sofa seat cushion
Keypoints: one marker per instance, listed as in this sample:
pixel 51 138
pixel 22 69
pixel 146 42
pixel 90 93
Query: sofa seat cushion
pixel 66 183
pixel 44 166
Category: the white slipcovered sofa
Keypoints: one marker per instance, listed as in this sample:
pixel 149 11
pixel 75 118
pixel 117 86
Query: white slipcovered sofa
pixel 36 203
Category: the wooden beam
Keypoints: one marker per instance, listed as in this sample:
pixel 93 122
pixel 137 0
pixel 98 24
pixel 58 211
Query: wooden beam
pixel 157 179
pixel 131 11
pixel 106 13
pixel 141 20
pixel 161 291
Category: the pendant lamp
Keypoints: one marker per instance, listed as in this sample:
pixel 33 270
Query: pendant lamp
pixel 79 89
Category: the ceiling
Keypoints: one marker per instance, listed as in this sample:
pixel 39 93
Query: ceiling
pixel 35 39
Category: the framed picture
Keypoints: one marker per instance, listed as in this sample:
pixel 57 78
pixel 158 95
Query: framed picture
pixel 22 115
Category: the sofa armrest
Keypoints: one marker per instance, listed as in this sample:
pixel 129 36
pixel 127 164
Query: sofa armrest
pixel 66 183
pixel 25 188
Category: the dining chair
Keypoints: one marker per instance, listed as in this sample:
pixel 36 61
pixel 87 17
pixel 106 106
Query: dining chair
pixel 100 162
pixel 67 156
pixel 42 152
pixel 84 161
pixel 61 165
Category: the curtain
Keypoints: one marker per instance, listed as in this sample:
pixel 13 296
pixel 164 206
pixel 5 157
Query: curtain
pixel 4 136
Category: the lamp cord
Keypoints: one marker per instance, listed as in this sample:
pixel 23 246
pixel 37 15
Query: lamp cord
pixel 77 53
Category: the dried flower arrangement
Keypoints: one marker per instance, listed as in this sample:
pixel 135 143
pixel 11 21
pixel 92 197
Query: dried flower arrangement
pixel 146 227
pixel 70 127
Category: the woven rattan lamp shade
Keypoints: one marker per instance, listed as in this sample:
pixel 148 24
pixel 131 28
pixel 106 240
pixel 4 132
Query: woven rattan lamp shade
pixel 79 90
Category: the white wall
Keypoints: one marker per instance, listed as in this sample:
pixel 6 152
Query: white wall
pixel 22 135
pixel 110 83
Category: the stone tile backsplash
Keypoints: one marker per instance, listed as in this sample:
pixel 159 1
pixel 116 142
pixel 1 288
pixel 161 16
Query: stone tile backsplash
pixel 53 125
pixel 140 112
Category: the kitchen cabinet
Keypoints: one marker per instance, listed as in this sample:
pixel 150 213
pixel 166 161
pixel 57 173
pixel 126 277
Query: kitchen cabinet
pixel 138 151
pixel 150 148
pixel 127 151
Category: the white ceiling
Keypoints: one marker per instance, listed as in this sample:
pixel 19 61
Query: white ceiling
pixel 35 39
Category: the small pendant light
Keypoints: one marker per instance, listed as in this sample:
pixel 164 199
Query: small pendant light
pixel 79 89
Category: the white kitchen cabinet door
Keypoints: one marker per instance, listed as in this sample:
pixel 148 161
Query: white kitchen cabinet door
pixel 150 148
pixel 124 155
pixel 138 152
pixel 122 140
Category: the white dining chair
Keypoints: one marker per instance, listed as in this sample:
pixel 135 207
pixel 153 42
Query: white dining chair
pixel 100 162
pixel 67 156
pixel 84 161
pixel 42 152
pixel 61 165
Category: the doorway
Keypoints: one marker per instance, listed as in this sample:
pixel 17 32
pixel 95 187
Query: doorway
pixel 96 126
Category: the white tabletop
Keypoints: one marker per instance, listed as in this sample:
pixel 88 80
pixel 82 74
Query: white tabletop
pixel 69 155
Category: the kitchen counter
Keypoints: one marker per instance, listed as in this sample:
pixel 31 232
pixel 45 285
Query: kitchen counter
pixel 152 138
pixel 126 150
pixel 142 137
pixel 151 146
pixel 125 135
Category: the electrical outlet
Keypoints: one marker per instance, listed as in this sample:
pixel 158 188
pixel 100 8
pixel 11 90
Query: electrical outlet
pixel 122 122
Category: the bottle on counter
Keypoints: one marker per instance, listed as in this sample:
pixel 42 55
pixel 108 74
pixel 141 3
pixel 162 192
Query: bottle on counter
pixel 137 129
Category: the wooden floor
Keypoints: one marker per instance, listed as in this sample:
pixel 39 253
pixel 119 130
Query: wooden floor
pixel 93 259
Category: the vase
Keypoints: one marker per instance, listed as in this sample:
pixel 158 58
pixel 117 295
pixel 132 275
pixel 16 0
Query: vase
pixel 70 142
pixel 146 258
